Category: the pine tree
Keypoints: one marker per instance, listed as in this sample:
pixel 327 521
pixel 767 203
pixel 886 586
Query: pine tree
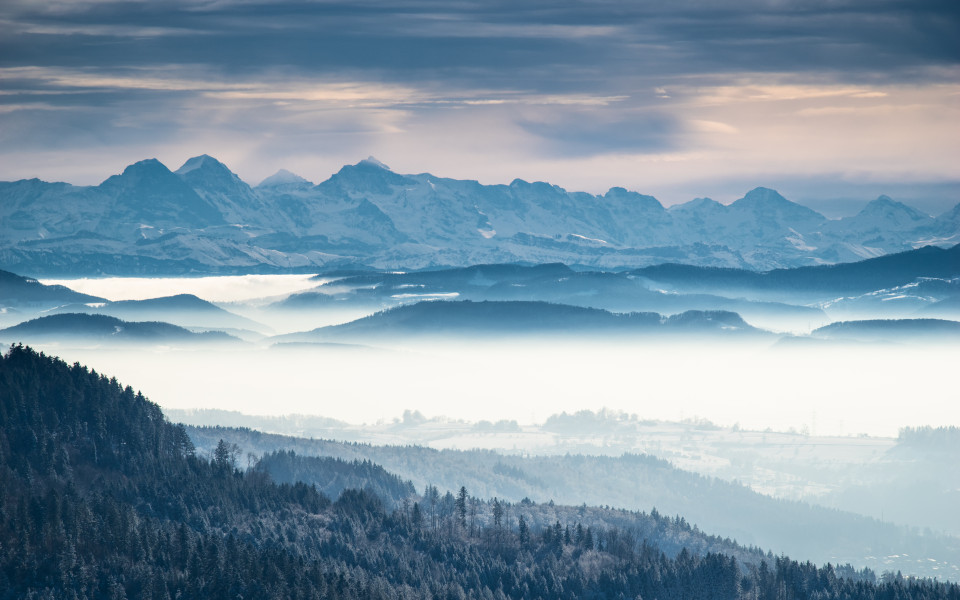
pixel 523 533
pixel 462 507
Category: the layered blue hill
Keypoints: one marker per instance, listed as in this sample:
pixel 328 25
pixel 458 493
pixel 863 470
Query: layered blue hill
pixel 103 328
pixel 519 318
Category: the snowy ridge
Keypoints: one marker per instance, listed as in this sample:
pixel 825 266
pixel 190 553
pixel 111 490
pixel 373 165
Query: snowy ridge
pixel 203 217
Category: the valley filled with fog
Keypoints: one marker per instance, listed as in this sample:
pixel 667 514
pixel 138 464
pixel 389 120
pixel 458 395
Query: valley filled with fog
pixel 840 391
pixel 758 383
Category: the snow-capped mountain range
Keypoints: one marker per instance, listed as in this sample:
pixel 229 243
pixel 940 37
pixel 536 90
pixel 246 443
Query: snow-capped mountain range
pixel 204 218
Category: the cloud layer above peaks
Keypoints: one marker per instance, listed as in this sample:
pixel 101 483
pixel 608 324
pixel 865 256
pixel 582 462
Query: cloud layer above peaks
pixel 669 99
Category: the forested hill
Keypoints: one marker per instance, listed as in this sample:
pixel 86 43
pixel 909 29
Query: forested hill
pixel 101 497
pixel 638 482
pixel 333 475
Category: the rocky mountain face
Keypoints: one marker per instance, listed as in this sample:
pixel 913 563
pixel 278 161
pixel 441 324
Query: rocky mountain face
pixel 204 218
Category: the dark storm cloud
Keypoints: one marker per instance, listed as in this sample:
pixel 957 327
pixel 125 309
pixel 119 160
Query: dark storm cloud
pixel 494 41
pixel 588 132
pixel 550 81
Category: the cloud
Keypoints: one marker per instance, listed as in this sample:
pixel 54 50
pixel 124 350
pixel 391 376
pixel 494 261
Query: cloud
pixel 613 39
pixel 595 94
pixel 766 88
pixel 127 79
pixel 712 126
pixel 92 29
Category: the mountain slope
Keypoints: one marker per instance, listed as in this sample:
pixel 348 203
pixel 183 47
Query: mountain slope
pixel 636 482
pixel 148 195
pixel 332 476
pixel 233 199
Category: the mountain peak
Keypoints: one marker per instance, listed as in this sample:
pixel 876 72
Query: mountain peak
pixel 367 176
pixel 883 201
pixel 204 161
pixel 370 161
pixel 768 202
pixel 885 206
pixel 624 195
pixel 283 177
pixel 762 194
pixel 147 165
pixel 207 174
pixel 147 192
pixel 149 169
pixel 698 204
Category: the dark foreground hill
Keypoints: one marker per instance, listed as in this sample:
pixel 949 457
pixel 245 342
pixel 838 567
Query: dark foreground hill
pixel 101 497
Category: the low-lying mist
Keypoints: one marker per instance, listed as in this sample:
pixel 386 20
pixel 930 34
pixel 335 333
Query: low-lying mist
pixel 746 377
pixel 821 389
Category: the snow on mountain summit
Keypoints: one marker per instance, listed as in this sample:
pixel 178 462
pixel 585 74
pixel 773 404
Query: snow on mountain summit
pixel 886 207
pixel 369 176
pixel 282 178
pixel 234 199
pixel 198 162
pixel 367 214
pixel 766 202
pixel 370 160
pixel 761 196
pixel 204 170
pixel 148 168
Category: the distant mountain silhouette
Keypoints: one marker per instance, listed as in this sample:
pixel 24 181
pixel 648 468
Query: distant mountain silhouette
pixel 555 283
pixel 68 326
pixel 891 329
pixel 185 310
pixel 858 277
pixel 518 318
pixel 16 290
pixel 204 218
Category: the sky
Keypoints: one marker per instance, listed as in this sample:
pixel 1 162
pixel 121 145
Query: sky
pixel 832 102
